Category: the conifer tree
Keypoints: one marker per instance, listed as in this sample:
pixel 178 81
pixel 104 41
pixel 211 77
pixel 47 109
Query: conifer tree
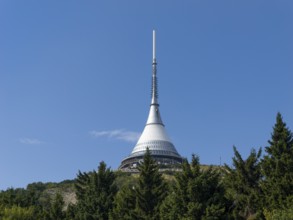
pixel 82 184
pixel 277 167
pixel 95 193
pixel 243 184
pixel 124 204
pixel 151 189
pixel 170 208
pixel 198 194
pixel 206 193
pixel 178 200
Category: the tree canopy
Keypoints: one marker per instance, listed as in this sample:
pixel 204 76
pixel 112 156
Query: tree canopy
pixel 277 167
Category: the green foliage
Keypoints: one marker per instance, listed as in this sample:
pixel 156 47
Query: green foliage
pixel 95 193
pixel 243 184
pixel 38 197
pixel 17 213
pixel 71 212
pixel 198 194
pixel 19 197
pixel 277 167
pixel 280 214
pixel 56 210
pixel 151 189
pixel 125 200
pixel 170 209
pixel 125 179
pixel 206 193
pixel 124 203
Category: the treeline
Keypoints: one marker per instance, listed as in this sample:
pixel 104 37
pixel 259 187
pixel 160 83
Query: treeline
pixel 37 201
pixel 256 187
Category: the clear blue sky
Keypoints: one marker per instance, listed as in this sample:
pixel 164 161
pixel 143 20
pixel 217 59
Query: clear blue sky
pixel 75 79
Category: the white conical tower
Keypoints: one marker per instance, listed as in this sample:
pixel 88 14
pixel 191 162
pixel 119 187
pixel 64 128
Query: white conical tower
pixel 154 135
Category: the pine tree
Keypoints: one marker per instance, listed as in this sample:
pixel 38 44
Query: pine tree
pixel 170 208
pixel 178 200
pixel 95 194
pixel 206 193
pixel 151 189
pixel 124 204
pixel 198 194
pixel 82 185
pixel 277 167
pixel 243 184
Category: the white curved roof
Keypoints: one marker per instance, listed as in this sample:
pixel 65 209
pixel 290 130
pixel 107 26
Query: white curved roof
pixel 154 136
pixel 153 132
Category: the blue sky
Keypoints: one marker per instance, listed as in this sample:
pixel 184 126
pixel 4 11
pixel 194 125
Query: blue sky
pixel 75 79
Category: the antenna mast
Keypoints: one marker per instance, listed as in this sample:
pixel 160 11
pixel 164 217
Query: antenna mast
pixel 154 77
pixel 154 46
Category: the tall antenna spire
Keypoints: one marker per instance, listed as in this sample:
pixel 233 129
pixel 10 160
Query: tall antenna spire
pixel 154 77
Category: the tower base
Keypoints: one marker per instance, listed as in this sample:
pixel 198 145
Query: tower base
pixel 164 162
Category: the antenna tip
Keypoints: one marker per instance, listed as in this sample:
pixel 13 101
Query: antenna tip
pixel 154 46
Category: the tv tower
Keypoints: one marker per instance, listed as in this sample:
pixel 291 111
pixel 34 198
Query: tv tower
pixel 154 135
